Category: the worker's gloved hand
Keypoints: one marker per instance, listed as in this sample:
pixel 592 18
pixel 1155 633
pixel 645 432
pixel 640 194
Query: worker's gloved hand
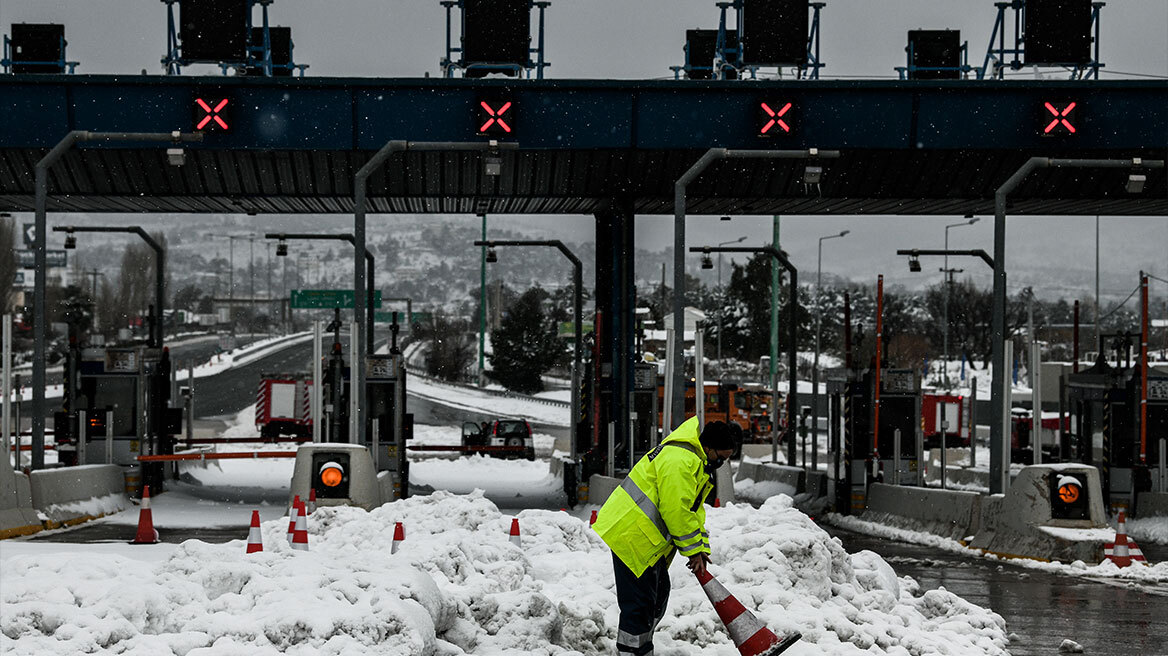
pixel 697 563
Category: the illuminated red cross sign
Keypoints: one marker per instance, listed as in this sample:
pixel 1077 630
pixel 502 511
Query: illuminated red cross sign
pixel 774 118
pixel 1058 119
pixel 211 114
pixel 495 117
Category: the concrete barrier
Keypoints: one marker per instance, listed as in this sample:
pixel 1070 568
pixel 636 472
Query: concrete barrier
pixel 1019 523
pixel 17 516
pixel 1151 504
pixel 791 480
pixel 948 513
pixel 365 485
pixel 601 487
pixel 70 495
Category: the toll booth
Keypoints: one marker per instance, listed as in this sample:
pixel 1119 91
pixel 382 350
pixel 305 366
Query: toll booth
pixel 124 394
pixel 388 425
pixel 852 438
pixel 644 409
pixel 900 423
pixel 1104 402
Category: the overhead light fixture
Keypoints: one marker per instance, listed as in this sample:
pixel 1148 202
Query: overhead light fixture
pixel 725 218
pixel 282 248
pixel 844 233
pixel 914 264
pixel 1135 183
pixel 176 156
pixel 492 256
pixel 493 161
pixel 813 175
pixel 707 263
pixel 70 241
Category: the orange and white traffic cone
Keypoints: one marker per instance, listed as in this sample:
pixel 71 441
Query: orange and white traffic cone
pixel 255 541
pixel 292 517
pixel 1123 552
pixel 717 502
pixel 515 532
pixel 311 501
pixel 399 534
pixel 300 535
pixel 592 519
pixel 146 532
pixel 747 632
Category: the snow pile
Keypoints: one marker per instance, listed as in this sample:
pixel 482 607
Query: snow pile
pixel 1152 530
pixel 458 586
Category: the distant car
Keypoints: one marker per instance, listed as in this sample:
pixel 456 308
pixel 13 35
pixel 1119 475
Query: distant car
pixel 504 432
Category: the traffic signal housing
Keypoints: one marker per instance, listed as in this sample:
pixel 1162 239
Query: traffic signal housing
pixel 330 475
pixel 1069 497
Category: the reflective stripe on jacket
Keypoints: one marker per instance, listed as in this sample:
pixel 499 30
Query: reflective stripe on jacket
pixel 658 507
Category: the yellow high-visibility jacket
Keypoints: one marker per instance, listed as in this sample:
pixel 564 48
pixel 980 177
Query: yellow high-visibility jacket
pixel 658 507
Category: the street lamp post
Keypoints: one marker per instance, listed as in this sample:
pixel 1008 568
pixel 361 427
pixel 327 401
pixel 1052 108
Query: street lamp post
pixel 159 269
pixel 577 312
pixel 792 327
pixel 722 309
pixel 949 283
pixel 370 287
pixel 815 363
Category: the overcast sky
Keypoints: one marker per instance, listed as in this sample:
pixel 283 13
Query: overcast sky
pixel 641 39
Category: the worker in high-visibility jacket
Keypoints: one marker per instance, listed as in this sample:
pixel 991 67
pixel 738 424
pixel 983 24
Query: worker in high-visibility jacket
pixel 657 511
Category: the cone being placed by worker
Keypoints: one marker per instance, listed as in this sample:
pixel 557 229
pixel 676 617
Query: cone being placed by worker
pixel 146 533
pixel 292 517
pixel 747 632
pixel 311 501
pixel 399 534
pixel 300 535
pixel 255 541
pixel 515 532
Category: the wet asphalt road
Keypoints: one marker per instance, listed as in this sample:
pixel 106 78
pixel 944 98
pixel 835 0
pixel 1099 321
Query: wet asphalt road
pixel 1041 609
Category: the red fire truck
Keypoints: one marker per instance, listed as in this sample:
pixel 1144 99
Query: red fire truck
pixel 282 405
pixel 956 415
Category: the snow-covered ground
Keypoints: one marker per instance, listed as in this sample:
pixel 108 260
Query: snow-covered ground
pixel 1151 530
pixel 475 401
pixel 1157 573
pixel 458 586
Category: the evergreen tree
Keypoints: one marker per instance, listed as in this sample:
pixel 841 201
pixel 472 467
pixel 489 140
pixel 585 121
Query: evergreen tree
pixel 525 345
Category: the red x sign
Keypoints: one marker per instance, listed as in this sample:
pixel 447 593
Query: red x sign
pixel 492 119
pixel 1059 120
pixel 773 121
pixel 210 114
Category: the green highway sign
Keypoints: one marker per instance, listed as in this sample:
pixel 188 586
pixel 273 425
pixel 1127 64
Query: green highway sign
pixel 324 299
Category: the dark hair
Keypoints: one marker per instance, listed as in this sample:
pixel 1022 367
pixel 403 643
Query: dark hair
pixel 721 436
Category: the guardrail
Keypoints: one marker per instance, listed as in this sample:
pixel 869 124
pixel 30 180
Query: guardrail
pixel 555 403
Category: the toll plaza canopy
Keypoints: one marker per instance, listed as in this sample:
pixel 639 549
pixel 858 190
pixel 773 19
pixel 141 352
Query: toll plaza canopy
pixel 293 145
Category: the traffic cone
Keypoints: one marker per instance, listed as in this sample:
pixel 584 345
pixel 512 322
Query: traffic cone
pixel 311 500
pixel 592 519
pixel 292 517
pixel 1123 552
pixel 255 541
pixel 300 536
pixel 146 533
pixel 399 534
pixel 748 634
pixel 515 532
pixel 717 502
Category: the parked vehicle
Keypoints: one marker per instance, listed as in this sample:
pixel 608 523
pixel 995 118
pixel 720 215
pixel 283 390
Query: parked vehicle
pixel 282 405
pixel 501 438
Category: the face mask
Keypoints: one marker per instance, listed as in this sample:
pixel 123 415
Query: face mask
pixel 715 463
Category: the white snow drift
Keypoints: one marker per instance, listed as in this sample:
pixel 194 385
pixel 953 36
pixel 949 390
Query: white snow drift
pixel 458 586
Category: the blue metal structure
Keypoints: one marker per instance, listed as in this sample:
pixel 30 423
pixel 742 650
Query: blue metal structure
pixel 450 65
pixel 259 55
pixel 292 146
pixel 996 56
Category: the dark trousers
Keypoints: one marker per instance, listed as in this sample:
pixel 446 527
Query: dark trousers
pixel 642 601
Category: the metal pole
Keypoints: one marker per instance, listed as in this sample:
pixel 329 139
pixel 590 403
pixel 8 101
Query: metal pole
pixel 896 459
pixel 577 351
pixel 792 354
pixel 1036 400
pixel 190 400
pixel 1002 459
pixel 1098 324
pixel 314 398
pixel 375 447
pixel 6 386
pixel 355 434
pixel 1163 467
pixel 944 444
pixel 611 450
pixel 815 363
pixel 1144 316
pixel 973 421
pixel 81 438
pixel 699 375
pixel 667 406
pixel 776 279
pixel 483 304
pixel 109 437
